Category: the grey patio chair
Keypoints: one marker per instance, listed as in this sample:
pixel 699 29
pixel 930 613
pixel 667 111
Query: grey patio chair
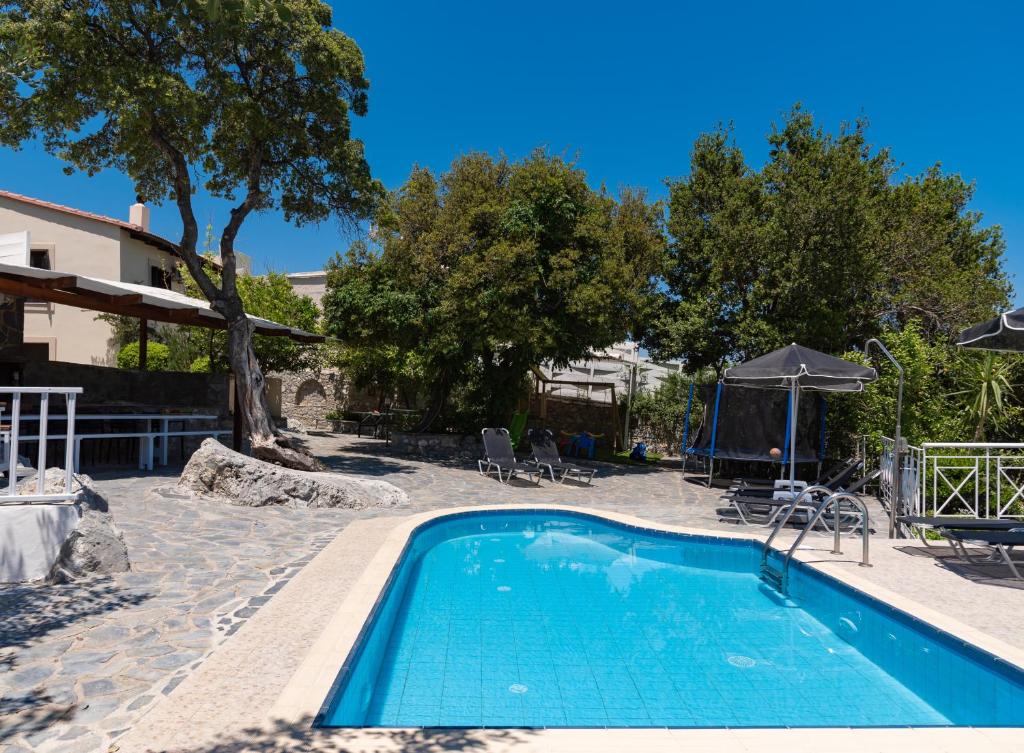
pixel 499 456
pixel 545 455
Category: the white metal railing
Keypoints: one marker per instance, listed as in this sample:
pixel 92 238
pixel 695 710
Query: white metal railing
pixel 10 440
pixel 983 479
pixel 910 502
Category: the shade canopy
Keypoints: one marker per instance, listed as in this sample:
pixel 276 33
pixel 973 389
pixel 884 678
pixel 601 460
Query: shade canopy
pixel 1005 332
pixel 795 365
pixel 128 299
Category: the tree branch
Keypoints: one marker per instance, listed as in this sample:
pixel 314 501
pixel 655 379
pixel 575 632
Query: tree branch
pixel 189 226
pixel 253 196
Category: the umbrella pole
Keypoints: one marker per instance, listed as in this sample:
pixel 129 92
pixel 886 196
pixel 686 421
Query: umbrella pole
pixel 794 401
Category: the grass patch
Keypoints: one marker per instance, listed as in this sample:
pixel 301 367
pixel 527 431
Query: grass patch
pixel 622 457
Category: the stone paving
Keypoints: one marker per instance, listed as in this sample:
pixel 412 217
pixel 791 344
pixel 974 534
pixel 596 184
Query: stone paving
pixel 81 663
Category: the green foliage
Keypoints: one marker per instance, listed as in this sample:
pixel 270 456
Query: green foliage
pixel 660 413
pixel 487 270
pixel 948 396
pixel 269 296
pixel 200 365
pixel 987 389
pixel 254 99
pixel 258 97
pixel 157 356
pixel 820 246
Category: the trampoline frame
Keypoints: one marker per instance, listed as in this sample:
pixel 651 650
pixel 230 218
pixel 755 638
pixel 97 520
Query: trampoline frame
pixel 710 453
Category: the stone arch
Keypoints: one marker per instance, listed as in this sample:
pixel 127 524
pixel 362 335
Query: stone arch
pixel 309 388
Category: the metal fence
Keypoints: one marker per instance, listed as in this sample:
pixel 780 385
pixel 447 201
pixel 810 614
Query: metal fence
pixel 10 440
pixel 985 480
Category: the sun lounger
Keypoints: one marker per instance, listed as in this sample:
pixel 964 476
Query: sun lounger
pixel 921 524
pixel 545 455
pixel 1001 543
pixel 771 483
pixel 836 478
pixel 751 510
pixel 499 456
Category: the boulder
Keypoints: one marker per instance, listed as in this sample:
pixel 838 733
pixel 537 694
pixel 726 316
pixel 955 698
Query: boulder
pixel 214 471
pixel 95 546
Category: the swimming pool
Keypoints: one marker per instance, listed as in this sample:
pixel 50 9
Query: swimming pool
pixel 557 619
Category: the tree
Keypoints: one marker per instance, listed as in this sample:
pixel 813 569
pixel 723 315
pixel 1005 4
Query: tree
pixel 269 296
pixel 820 246
pixel 254 104
pixel 987 388
pixel 491 268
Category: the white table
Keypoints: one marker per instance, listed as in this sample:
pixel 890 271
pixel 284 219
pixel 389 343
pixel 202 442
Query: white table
pixel 146 438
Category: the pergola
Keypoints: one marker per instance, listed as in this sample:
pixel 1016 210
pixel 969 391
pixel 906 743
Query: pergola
pixel 591 383
pixel 140 301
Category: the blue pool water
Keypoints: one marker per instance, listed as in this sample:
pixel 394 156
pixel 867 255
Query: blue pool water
pixel 546 619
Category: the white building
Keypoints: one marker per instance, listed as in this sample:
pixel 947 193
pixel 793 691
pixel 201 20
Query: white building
pixel 614 363
pixel 88 244
pixel 85 243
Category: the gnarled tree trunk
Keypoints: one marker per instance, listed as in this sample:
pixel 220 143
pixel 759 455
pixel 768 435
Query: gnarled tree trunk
pixel 251 400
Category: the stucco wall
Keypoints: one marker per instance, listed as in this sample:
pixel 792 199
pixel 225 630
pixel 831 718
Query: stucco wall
pixel 31 537
pixel 87 247
pixel 313 284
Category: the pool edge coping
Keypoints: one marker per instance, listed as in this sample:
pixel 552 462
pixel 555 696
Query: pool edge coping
pixel 307 689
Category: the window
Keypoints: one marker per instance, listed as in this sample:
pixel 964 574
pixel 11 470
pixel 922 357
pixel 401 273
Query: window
pixel 158 278
pixel 39 258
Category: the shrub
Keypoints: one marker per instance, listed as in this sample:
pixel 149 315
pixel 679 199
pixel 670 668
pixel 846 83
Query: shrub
pixel 201 365
pixel 157 356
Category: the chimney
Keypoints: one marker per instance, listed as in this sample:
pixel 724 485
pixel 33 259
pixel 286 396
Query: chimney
pixel 138 214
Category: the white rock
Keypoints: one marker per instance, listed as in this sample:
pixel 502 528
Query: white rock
pixel 214 471
pixel 96 546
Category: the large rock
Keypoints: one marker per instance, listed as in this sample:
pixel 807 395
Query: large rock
pixel 95 546
pixel 217 472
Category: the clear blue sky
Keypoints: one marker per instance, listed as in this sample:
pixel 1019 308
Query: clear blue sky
pixel 628 86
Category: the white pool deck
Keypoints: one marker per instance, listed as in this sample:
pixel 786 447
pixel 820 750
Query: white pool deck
pixel 260 690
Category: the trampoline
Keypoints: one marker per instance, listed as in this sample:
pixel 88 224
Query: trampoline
pixel 744 423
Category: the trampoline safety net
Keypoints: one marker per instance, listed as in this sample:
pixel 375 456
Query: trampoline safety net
pixel 751 421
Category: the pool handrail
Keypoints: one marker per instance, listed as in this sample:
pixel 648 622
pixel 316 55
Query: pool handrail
pixel 766 548
pixel 824 505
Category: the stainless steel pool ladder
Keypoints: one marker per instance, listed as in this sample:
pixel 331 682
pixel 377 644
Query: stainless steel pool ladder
pixel 780 578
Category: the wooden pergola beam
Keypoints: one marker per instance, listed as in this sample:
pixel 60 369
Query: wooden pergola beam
pixel 67 281
pixel 65 291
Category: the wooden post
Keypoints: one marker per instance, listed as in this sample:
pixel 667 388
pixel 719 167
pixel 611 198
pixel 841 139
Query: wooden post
pixel 616 445
pixel 236 428
pixel 143 342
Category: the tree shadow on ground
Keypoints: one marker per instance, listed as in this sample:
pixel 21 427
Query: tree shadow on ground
pixel 994 573
pixel 31 712
pixel 30 612
pixel 301 737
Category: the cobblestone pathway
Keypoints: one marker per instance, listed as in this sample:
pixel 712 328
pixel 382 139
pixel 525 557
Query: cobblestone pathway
pixel 80 662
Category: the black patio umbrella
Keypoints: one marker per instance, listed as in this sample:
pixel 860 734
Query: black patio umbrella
pixel 795 367
pixel 1005 332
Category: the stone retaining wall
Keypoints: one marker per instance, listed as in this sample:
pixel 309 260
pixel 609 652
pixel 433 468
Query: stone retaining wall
pixel 573 415
pixel 465 446
pixel 307 397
